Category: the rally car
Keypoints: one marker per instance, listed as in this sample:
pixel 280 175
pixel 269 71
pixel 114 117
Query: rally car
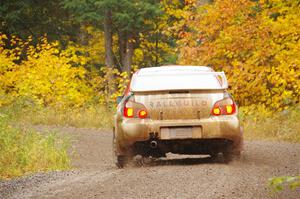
pixel 177 109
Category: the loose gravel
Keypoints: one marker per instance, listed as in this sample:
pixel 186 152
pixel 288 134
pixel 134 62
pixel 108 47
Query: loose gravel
pixel 95 176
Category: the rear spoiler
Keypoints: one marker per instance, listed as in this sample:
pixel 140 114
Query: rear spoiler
pixel 174 80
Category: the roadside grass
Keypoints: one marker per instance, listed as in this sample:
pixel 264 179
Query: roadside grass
pixel 82 117
pixel 24 151
pixel 283 126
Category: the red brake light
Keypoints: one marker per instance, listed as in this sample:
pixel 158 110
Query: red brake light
pixel 142 114
pixel 230 109
pixel 216 111
pixel 134 110
pixel 128 112
pixel 224 107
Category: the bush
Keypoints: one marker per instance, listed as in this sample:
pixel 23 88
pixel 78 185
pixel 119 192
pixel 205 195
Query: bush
pixel 261 124
pixel 53 77
pixel 25 151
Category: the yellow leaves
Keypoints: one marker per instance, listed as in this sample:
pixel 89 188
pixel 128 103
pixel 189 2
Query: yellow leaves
pixel 49 76
pixel 256 43
pixel 94 49
pixel 3 36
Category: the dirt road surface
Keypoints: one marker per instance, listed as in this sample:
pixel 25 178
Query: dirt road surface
pixel 95 176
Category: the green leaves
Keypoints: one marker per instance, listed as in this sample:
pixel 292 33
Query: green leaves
pixel 127 15
pixel 35 18
pixel 278 183
pixel 85 11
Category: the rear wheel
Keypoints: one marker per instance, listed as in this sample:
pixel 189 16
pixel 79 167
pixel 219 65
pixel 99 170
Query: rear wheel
pixel 119 160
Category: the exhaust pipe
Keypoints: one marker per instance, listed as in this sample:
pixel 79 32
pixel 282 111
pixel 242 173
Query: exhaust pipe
pixel 153 144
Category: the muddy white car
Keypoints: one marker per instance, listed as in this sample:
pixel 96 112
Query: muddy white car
pixel 177 109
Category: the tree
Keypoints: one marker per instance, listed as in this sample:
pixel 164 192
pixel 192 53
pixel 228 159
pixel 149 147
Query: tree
pixel 158 46
pixel 36 18
pixel 127 19
pixel 255 42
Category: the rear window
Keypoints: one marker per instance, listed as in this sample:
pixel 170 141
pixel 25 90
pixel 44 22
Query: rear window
pixel 182 80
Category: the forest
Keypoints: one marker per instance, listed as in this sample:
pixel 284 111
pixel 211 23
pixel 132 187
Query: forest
pixel 64 62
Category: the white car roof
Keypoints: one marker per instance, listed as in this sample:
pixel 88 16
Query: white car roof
pixel 177 78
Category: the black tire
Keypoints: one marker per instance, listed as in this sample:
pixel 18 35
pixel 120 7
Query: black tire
pixel 119 160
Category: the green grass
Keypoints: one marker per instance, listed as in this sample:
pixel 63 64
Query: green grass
pixel 26 151
pixel 283 126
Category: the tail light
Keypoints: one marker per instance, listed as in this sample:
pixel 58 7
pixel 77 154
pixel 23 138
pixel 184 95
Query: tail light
pixel 128 112
pixel 135 110
pixel 142 114
pixel 224 107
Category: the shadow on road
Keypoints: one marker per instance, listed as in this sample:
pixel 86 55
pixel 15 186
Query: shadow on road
pixel 184 161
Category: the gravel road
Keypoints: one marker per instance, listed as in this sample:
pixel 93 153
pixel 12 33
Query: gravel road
pixel 95 176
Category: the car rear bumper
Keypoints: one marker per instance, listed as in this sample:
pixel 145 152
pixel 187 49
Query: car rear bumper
pixel 225 127
pixel 186 146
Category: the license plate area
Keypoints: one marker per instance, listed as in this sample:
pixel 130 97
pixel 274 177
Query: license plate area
pixel 182 132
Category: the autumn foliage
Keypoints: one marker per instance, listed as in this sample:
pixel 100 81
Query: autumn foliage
pixel 46 75
pixel 255 42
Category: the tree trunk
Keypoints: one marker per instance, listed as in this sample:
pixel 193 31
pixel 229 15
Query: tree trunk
pixel 126 49
pixel 122 48
pixel 109 59
pixel 128 55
